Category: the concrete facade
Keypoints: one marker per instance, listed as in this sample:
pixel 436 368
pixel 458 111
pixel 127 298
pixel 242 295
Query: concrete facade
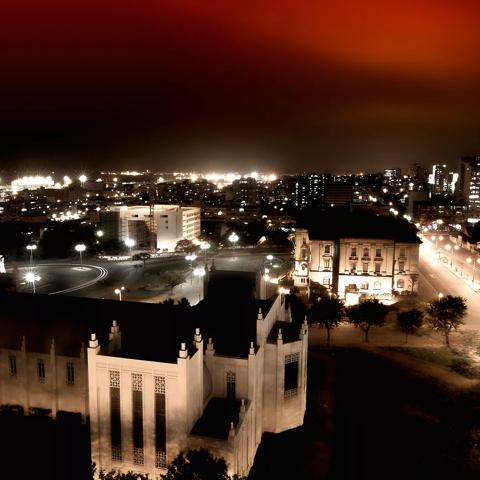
pixel 199 377
pixel 171 223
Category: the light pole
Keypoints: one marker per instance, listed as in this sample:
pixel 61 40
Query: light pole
pixel 205 246
pixel 200 273
pixel 80 248
pixel 31 249
pixel 32 277
pixel 118 291
pixel 130 242
pixel 191 257
pixel 233 238
pixel 473 262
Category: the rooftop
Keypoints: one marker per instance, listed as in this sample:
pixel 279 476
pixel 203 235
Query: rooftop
pixel 216 418
pixel 339 223
pixel 290 332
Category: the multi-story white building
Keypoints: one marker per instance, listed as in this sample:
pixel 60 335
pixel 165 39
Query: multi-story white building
pixel 170 224
pixel 149 396
pixel 353 266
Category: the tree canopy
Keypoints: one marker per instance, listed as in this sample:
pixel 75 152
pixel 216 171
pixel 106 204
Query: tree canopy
pixel 367 314
pixel 446 315
pixel 197 465
pixel 328 312
pixel 409 322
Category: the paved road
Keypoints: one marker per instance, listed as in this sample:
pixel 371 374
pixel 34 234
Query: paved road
pixel 436 277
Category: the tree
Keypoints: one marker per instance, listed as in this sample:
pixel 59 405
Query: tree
pixel 328 312
pixel 172 279
pixel 367 314
pixel 446 314
pixel 197 465
pixel 409 322
pixel 184 246
pixel 413 281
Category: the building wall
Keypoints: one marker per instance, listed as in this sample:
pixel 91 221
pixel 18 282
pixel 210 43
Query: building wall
pixel 357 267
pixel 53 392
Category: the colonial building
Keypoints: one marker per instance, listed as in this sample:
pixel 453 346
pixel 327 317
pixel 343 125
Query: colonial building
pixel 365 256
pixel 165 379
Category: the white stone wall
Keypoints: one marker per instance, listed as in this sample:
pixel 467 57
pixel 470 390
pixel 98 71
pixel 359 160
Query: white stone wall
pixel 52 393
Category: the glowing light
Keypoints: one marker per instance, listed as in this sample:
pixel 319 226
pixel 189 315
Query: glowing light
pixel 82 178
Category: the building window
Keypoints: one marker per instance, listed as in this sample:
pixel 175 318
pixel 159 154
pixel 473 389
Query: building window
pixel 327 249
pixel 326 281
pixel 12 365
pixel 115 420
pixel 160 423
pixel 290 384
pixel 70 373
pixel 353 252
pixel 401 266
pixel 353 267
pixel 402 252
pixel 364 286
pixel 401 283
pixel 378 252
pixel 366 252
pixel 326 263
pixel 231 384
pixel 41 370
pixel 365 267
pixel 137 418
pixel 377 286
pixel 378 265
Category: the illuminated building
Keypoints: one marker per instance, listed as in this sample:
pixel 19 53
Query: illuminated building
pixel 468 190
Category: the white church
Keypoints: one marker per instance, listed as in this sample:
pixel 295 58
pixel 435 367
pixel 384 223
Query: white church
pixel 151 388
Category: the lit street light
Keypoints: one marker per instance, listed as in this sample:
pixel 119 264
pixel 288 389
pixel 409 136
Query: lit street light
pixel 31 249
pixel 32 277
pixel 470 260
pixel 83 179
pixel 270 257
pixel 205 246
pixel 440 295
pixel 233 238
pixel 80 248
pixel 129 242
pixel 118 291
pixel 191 258
pixel 99 233
pixel 200 273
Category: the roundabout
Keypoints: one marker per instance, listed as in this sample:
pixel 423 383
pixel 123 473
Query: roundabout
pixel 59 278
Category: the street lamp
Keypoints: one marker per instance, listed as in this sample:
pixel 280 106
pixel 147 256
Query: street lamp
pixel 200 273
pixel 80 248
pixel 99 233
pixel 118 291
pixel 469 260
pixel 83 179
pixel 130 242
pixel 233 238
pixel 440 295
pixel 270 257
pixel 32 277
pixel 31 249
pixel 205 246
pixel 191 257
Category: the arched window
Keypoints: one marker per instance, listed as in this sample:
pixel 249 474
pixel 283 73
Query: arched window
pixel 304 251
pixel 401 283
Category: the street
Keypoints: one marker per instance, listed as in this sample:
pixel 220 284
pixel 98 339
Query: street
pixel 436 277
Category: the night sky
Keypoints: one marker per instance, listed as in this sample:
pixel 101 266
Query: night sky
pixel 285 86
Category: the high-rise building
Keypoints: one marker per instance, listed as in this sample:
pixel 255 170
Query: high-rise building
pixel 468 188
pixel 171 224
pixel 442 182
